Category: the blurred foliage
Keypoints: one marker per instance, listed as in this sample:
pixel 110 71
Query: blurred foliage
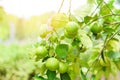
pixel 14 60
pixel 24 28
pixel 15 63
pixel 4 27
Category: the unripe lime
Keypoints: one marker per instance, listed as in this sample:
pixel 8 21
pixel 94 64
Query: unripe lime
pixel 41 51
pixel 72 28
pixel 52 64
pixel 63 67
pixel 95 28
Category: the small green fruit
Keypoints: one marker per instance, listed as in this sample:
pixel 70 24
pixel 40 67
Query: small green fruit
pixel 72 28
pixel 41 51
pixel 52 64
pixel 63 67
pixel 95 28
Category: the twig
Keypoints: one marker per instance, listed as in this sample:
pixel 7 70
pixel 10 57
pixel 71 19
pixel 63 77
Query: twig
pixel 60 6
pixel 96 8
pixel 100 18
pixel 112 36
pixel 95 62
pixel 69 11
pixel 112 23
pixel 108 7
pixel 102 51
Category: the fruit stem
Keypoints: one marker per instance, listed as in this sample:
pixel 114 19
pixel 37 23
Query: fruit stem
pixel 60 6
pixel 108 7
pixel 69 11
pixel 96 8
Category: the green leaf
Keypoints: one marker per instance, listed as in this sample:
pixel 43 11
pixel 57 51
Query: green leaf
pixel 113 55
pixel 42 69
pixel 87 19
pixel 93 77
pixel 85 39
pixel 83 76
pixel 51 75
pixel 65 76
pixel 103 57
pixel 39 78
pixel 91 1
pixel 76 42
pixel 104 10
pixel 84 10
pixel 61 50
pixel 108 30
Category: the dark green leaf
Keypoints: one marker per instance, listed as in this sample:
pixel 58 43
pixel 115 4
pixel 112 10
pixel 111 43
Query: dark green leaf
pixel 51 75
pixel 76 42
pixel 93 77
pixel 103 57
pixel 65 76
pixel 83 76
pixel 113 55
pixel 87 19
pixel 61 50
pixel 108 30
pixel 45 58
pixel 39 78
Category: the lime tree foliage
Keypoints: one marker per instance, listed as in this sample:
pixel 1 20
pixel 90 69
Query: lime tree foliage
pixel 14 62
pixel 79 48
pixel 4 26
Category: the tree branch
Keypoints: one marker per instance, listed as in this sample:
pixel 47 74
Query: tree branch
pixel 96 8
pixel 69 11
pixel 108 7
pixel 107 39
pixel 100 18
pixel 60 6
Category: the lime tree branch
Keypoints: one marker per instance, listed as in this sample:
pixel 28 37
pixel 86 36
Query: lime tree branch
pixel 96 8
pixel 91 21
pixel 69 11
pixel 108 7
pixel 61 6
pixel 107 39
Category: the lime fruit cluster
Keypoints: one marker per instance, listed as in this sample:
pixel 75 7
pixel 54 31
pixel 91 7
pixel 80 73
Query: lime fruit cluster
pixel 53 64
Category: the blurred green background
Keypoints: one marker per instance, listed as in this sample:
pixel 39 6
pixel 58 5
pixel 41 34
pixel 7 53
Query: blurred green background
pixel 16 37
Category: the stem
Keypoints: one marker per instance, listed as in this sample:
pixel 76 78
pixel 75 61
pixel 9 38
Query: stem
pixel 100 18
pixel 113 23
pixel 102 51
pixel 69 11
pixel 96 8
pixel 113 35
pixel 60 6
pixel 57 35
